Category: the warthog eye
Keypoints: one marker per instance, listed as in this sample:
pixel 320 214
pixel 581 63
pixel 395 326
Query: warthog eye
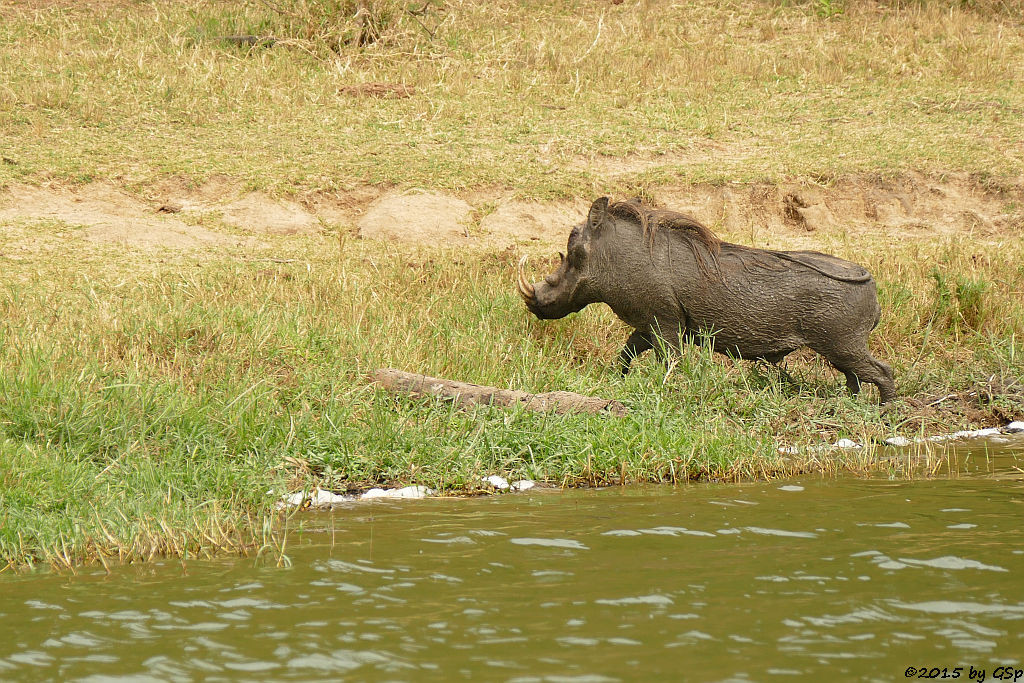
pixel 551 279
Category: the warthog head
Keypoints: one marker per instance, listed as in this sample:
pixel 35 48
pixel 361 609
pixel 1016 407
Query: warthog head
pixel 567 289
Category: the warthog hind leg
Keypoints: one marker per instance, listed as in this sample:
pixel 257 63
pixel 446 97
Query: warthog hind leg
pixel 866 368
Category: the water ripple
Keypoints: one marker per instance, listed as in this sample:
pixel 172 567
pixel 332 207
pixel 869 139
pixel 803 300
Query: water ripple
pixel 779 532
pixel 660 600
pixel 953 607
pixel 551 543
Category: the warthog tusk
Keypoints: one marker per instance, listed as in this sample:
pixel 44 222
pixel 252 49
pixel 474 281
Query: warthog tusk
pixel 526 290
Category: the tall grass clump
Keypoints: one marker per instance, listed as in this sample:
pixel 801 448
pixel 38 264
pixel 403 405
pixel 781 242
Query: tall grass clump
pixel 321 28
pixel 960 301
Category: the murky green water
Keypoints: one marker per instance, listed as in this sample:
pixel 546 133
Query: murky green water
pixel 849 580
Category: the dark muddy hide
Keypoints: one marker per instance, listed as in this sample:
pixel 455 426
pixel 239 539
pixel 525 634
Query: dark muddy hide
pixel 671 279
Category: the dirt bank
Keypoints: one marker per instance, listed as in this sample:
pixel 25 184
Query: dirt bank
pixel 220 214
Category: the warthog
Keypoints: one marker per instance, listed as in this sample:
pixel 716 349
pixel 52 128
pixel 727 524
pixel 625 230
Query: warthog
pixel 672 279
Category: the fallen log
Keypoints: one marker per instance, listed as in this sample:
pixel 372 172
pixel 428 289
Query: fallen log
pixel 465 394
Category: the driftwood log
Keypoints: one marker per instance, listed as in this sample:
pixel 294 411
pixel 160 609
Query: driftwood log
pixel 464 394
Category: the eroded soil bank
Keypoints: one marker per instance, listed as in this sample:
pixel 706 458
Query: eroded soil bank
pixel 220 213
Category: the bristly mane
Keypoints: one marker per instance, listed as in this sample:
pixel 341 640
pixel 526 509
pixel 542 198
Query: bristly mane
pixel 651 220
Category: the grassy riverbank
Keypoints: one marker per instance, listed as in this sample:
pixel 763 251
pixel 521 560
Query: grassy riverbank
pixel 150 399
pixel 150 407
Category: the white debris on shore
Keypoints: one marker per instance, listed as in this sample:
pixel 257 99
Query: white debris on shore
pixel 314 499
pixel 501 483
pixel 321 499
pixel 993 433
pixel 405 492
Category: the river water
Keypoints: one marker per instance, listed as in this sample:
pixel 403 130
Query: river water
pixel 849 579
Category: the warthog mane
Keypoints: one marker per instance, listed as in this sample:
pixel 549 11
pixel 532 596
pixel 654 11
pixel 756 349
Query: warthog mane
pixel 695 233
pixel 651 220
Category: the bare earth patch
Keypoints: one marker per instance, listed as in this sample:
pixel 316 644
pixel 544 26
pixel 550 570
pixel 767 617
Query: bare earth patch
pixel 105 214
pixel 519 221
pixel 173 215
pixel 911 206
pixel 258 213
pixel 798 214
pixel 422 218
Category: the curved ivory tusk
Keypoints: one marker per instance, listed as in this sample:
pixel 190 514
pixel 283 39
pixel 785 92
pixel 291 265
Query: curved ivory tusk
pixel 522 292
pixel 526 290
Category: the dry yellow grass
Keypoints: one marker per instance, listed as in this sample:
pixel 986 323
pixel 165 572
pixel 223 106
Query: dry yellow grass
pixel 510 94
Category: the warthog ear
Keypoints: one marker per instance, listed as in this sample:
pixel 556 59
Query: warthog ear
pixel 598 211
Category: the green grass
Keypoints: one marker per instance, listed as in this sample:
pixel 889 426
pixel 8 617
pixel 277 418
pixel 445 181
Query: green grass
pixel 144 408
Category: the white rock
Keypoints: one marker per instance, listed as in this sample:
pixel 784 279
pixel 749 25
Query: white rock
pixel 846 443
pixel 898 441
pixel 325 498
pixel 406 492
pixel 523 485
pixel 290 501
pixel 412 492
pixel 1014 427
pixel 789 450
pixel 974 433
pixel 319 498
pixel 497 482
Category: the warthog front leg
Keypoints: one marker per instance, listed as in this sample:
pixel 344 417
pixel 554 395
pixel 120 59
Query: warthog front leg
pixel 638 342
